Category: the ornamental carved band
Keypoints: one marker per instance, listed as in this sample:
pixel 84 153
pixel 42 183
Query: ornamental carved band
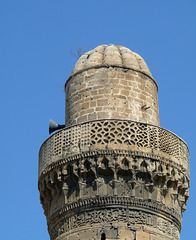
pixel 112 172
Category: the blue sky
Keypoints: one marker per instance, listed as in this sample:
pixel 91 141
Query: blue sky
pixel 36 40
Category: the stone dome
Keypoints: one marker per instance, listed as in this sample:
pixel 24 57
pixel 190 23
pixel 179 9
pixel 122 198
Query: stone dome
pixel 111 56
pixel 111 82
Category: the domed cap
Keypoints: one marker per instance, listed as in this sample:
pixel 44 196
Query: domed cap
pixel 111 56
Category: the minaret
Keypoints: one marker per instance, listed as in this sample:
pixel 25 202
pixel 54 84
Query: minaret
pixel 113 172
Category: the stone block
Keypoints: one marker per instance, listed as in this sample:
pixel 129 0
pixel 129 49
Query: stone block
pixel 102 115
pixel 141 235
pixel 92 116
pixel 93 103
pixel 82 119
pixel 129 77
pixel 126 234
pixel 102 102
pixel 85 105
pixel 105 91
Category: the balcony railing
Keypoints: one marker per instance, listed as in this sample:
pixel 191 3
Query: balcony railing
pixel 112 134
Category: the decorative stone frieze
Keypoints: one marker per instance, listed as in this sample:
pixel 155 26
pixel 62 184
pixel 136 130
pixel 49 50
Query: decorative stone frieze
pixel 109 173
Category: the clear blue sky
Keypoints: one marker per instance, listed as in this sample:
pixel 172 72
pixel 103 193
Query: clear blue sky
pixel 36 38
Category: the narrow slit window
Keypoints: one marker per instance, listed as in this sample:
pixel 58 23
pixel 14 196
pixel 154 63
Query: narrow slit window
pixel 103 236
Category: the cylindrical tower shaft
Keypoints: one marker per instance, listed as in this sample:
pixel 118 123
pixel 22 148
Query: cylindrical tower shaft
pixel 112 172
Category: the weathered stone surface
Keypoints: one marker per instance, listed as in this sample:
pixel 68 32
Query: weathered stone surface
pixel 109 55
pixel 110 174
pixel 129 95
pixel 141 235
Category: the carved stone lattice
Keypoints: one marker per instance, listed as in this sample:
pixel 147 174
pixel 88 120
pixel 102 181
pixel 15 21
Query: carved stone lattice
pixel 119 132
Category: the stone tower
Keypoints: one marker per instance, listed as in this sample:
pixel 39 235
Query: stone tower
pixel 113 172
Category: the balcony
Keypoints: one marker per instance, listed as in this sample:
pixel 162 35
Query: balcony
pixel 113 135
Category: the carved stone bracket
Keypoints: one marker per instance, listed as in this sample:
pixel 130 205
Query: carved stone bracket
pixel 114 173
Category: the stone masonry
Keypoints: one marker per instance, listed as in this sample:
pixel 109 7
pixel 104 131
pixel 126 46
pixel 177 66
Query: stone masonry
pixel 113 172
pixel 111 82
